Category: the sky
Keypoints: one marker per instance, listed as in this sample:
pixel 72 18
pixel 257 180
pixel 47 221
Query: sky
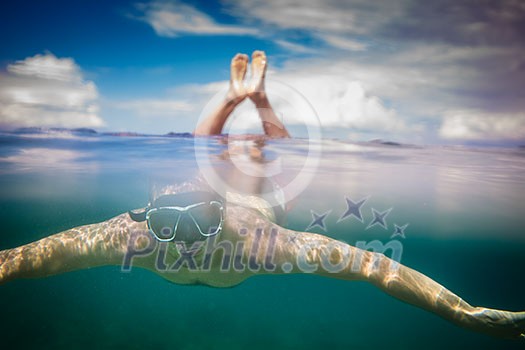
pixel 427 72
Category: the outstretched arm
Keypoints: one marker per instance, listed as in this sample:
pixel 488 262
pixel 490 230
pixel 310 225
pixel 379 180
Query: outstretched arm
pixel 78 248
pixel 311 253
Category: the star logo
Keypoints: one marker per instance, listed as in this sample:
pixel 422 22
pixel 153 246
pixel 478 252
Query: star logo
pixel 399 231
pixel 318 220
pixel 353 209
pixel 379 218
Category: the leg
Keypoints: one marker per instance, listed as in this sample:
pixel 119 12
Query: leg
pixel 214 123
pixel 271 124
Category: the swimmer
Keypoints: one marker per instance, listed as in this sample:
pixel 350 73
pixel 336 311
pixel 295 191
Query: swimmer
pixel 180 222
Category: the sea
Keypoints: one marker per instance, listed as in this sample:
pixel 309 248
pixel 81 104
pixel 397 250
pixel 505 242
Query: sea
pixel 458 213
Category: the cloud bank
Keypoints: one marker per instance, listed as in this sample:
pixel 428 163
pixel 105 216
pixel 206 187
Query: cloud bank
pixel 478 126
pixel 44 90
pixel 445 70
pixel 175 18
pixel 427 72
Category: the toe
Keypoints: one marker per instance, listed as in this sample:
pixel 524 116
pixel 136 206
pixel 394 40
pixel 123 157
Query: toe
pixel 239 57
pixel 258 53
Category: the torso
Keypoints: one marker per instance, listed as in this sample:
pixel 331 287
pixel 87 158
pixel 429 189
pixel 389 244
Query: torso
pixel 165 258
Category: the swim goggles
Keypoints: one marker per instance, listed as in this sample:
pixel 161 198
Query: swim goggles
pixel 168 217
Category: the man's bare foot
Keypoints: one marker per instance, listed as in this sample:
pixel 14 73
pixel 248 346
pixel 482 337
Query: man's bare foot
pixel 256 90
pixel 237 92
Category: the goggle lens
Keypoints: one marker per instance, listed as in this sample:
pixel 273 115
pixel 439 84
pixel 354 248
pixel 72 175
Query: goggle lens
pixel 162 222
pixel 208 218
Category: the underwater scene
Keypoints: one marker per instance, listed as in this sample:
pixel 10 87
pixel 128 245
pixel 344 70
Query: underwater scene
pixel 455 213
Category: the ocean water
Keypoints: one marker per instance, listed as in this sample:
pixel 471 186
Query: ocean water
pixel 464 208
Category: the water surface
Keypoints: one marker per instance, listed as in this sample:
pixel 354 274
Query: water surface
pixel 464 208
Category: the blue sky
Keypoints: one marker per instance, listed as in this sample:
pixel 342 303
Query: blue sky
pixel 447 71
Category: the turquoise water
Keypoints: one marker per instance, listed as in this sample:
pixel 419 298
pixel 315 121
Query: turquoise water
pixel 464 209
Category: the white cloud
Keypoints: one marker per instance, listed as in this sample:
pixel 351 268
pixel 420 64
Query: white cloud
pixel 332 21
pixel 329 21
pixel 288 45
pixel 339 101
pixel 344 43
pixel 174 18
pixel 47 67
pixel 480 125
pixel 421 82
pixel 47 91
pixel 332 16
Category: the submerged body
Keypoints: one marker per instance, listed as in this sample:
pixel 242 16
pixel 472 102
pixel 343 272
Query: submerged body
pixel 109 243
